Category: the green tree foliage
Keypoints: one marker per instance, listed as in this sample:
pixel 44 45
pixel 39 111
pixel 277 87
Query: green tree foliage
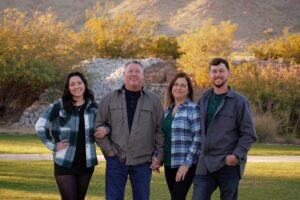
pixel 161 46
pixel 200 46
pixel 35 51
pixel 286 47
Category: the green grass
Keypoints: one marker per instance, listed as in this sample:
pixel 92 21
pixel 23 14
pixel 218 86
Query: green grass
pixel 34 180
pixel 274 150
pixel 30 143
pixel 23 144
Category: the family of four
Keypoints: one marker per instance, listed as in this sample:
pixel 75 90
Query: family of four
pixel 203 144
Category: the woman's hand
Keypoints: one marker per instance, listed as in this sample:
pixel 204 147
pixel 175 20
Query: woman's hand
pixel 100 132
pixel 183 169
pixel 155 164
pixel 63 144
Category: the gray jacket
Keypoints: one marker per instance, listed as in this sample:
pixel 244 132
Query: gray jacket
pixel 145 138
pixel 231 131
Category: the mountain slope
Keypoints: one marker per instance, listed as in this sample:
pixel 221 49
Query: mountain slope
pixel 178 16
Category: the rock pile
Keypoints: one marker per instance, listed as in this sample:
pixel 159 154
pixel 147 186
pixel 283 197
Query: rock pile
pixel 104 75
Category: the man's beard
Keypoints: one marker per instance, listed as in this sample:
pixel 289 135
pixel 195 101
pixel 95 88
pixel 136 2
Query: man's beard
pixel 220 85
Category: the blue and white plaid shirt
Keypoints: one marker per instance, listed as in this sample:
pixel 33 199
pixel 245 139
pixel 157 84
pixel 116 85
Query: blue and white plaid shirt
pixel 56 125
pixel 185 134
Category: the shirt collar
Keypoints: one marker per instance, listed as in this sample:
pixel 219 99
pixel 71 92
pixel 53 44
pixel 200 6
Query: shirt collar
pixel 122 89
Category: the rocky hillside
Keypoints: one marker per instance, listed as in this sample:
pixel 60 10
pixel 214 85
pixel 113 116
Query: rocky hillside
pixel 254 17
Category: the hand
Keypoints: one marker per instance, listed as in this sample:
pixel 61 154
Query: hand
pixel 111 154
pixel 155 165
pixel 181 172
pixel 63 144
pixel 100 132
pixel 231 160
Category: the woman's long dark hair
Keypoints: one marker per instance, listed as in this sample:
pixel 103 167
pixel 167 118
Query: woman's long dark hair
pixel 67 97
pixel 171 99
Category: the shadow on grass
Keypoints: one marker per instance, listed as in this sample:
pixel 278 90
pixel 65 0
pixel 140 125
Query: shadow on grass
pixel 35 179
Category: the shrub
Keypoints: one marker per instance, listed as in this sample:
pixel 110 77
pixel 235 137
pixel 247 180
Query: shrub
pixel 286 46
pixel 271 88
pixel 115 36
pixel 200 46
pixel 161 46
pixel 266 125
pixel 35 52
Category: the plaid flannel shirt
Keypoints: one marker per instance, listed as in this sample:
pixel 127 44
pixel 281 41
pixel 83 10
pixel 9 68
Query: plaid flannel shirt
pixel 56 125
pixel 185 134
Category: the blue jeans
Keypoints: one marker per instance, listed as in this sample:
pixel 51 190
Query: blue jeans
pixel 227 179
pixel 116 177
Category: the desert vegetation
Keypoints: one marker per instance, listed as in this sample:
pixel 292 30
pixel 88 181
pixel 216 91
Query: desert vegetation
pixel 36 51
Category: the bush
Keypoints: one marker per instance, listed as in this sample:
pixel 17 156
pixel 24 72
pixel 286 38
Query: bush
pixel 161 46
pixel 35 52
pixel 266 125
pixel 118 36
pixel 271 88
pixel 200 46
pixel 286 46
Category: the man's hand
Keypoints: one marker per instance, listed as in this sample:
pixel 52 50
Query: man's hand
pixel 231 160
pixel 180 175
pixel 100 132
pixel 155 165
pixel 111 154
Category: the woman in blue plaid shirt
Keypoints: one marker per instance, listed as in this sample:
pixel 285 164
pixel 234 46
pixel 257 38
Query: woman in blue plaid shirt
pixel 181 125
pixel 67 129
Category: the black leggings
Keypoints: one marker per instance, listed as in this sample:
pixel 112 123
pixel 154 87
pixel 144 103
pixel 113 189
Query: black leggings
pixel 179 190
pixel 73 187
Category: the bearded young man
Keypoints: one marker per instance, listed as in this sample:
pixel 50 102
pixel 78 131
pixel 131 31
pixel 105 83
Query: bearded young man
pixel 228 131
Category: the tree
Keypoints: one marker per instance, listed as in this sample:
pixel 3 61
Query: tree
pixel 201 45
pixel 35 52
pixel 114 36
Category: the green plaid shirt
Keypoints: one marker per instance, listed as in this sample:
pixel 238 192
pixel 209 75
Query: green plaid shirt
pixel 56 125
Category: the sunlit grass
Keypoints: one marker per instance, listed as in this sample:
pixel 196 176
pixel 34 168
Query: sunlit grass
pixel 30 143
pixel 34 180
pixel 275 149
pixel 23 144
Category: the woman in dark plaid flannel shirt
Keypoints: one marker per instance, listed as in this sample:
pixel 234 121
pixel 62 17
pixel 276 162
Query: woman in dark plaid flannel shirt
pixel 67 129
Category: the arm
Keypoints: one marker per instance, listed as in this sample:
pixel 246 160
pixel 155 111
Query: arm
pixel 101 124
pixel 159 135
pixel 246 129
pixel 43 125
pixel 158 154
pixel 194 150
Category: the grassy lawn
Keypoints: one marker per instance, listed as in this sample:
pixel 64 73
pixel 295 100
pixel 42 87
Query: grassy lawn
pixel 34 180
pixel 23 143
pixel 274 149
pixel 30 143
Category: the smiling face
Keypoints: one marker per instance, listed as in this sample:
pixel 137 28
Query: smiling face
pixel 180 89
pixel 76 87
pixel 133 77
pixel 219 75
